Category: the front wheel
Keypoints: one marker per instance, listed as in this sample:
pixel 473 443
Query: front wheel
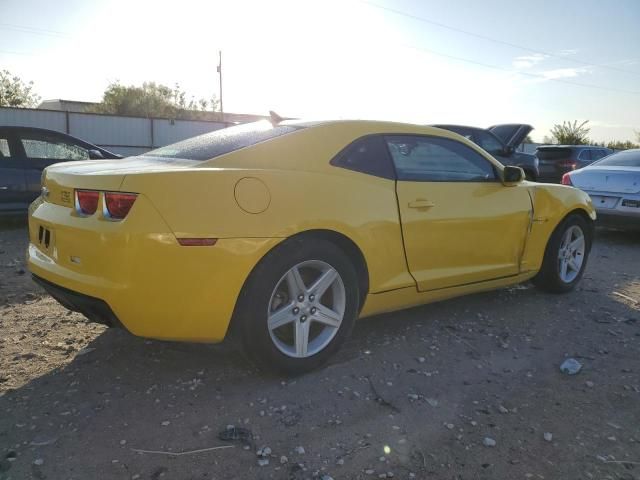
pixel 298 306
pixel 566 256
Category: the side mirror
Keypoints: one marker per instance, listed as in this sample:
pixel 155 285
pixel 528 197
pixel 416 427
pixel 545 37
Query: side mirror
pixel 512 175
pixel 507 151
pixel 95 155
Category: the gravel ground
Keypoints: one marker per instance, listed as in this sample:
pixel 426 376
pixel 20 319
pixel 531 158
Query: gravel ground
pixel 464 389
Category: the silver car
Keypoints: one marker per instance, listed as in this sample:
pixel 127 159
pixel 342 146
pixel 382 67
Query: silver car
pixel 613 184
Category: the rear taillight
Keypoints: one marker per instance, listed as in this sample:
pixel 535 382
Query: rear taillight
pixel 119 204
pixel 566 179
pixel 87 201
pixel 568 165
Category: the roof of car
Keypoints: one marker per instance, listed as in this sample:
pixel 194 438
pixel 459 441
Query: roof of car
pixel 573 146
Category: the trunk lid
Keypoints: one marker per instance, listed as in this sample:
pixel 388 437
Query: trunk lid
pixel 60 180
pixel 609 179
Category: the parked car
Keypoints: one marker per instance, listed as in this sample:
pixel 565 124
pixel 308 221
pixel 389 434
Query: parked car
pixel 286 232
pixel 613 184
pixel 556 160
pixel 25 152
pixel 501 141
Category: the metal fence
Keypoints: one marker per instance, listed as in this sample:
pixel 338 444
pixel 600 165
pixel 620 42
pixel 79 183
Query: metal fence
pixel 120 134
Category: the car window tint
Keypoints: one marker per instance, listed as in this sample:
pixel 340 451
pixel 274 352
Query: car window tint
pixel 222 141
pixel 435 159
pixel 4 147
pixel 488 142
pixel 585 155
pixel 53 148
pixel 627 158
pixel 367 155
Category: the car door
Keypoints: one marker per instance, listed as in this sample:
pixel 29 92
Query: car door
pixel 460 224
pixel 13 196
pixel 43 148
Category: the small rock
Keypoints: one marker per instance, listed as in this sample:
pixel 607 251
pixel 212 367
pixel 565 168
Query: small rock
pixel 283 459
pixel 422 359
pixel 589 384
pixel 266 451
pixel 548 436
pixel 263 462
pixel 570 366
pixel 413 396
pixel 123 442
pixel 165 423
pixel 340 461
pixel 326 477
pixel 489 442
pixel 503 409
pixel 38 461
pixel 84 351
pixel 450 426
pixel 299 450
pixel 432 402
pixel 369 471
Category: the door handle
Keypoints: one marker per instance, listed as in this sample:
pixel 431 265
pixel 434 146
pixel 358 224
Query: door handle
pixel 421 203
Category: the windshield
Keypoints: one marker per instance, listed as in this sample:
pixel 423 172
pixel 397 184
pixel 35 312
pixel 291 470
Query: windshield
pixel 628 158
pixel 219 142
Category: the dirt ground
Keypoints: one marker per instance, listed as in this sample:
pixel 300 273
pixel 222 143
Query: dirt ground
pixel 464 389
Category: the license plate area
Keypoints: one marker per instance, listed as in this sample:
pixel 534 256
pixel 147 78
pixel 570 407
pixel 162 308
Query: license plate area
pixel 631 203
pixel 604 202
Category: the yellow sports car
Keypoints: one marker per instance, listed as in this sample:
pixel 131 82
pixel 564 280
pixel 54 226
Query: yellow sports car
pixel 286 232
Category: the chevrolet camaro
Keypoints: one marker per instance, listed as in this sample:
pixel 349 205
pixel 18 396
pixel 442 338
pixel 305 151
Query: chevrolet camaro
pixel 284 232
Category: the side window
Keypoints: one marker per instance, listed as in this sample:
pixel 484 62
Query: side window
pixel 4 147
pixel 585 156
pixel 435 159
pixel 367 155
pixel 488 142
pixel 52 147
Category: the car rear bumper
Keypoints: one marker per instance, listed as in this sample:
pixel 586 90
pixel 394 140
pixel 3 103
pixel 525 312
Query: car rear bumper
pixel 93 308
pixel 134 273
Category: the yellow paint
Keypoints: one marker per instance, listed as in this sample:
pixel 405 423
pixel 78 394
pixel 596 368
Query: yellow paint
pixel 476 236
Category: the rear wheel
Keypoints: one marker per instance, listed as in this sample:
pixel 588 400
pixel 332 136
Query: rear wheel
pixel 566 256
pixel 298 306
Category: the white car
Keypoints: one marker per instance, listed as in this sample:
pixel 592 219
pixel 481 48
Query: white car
pixel 613 184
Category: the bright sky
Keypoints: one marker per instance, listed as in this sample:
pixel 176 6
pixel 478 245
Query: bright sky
pixel 422 61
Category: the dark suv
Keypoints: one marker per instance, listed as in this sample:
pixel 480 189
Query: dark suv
pixel 556 160
pixel 501 142
pixel 25 152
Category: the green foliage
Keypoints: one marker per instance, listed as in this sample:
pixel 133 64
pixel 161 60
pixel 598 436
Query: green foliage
pixel 618 145
pixel 153 100
pixel 571 133
pixel 16 93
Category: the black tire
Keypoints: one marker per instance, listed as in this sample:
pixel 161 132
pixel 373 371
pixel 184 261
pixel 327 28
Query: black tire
pixel 250 316
pixel 548 278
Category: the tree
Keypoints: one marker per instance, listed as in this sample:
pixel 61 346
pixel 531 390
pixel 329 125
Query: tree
pixel 153 100
pixel 619 145
pixel 571 133
pixel 16 93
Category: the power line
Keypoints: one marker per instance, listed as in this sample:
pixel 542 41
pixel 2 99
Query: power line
pixel 495 40
pixel 528 74
pixel 35 30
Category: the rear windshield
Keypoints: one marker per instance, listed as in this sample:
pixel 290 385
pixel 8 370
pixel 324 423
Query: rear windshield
pixel 628 158
pixel 219 142
pixel 553 153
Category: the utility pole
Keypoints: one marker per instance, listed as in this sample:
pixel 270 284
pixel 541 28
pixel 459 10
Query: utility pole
pixel 220 75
